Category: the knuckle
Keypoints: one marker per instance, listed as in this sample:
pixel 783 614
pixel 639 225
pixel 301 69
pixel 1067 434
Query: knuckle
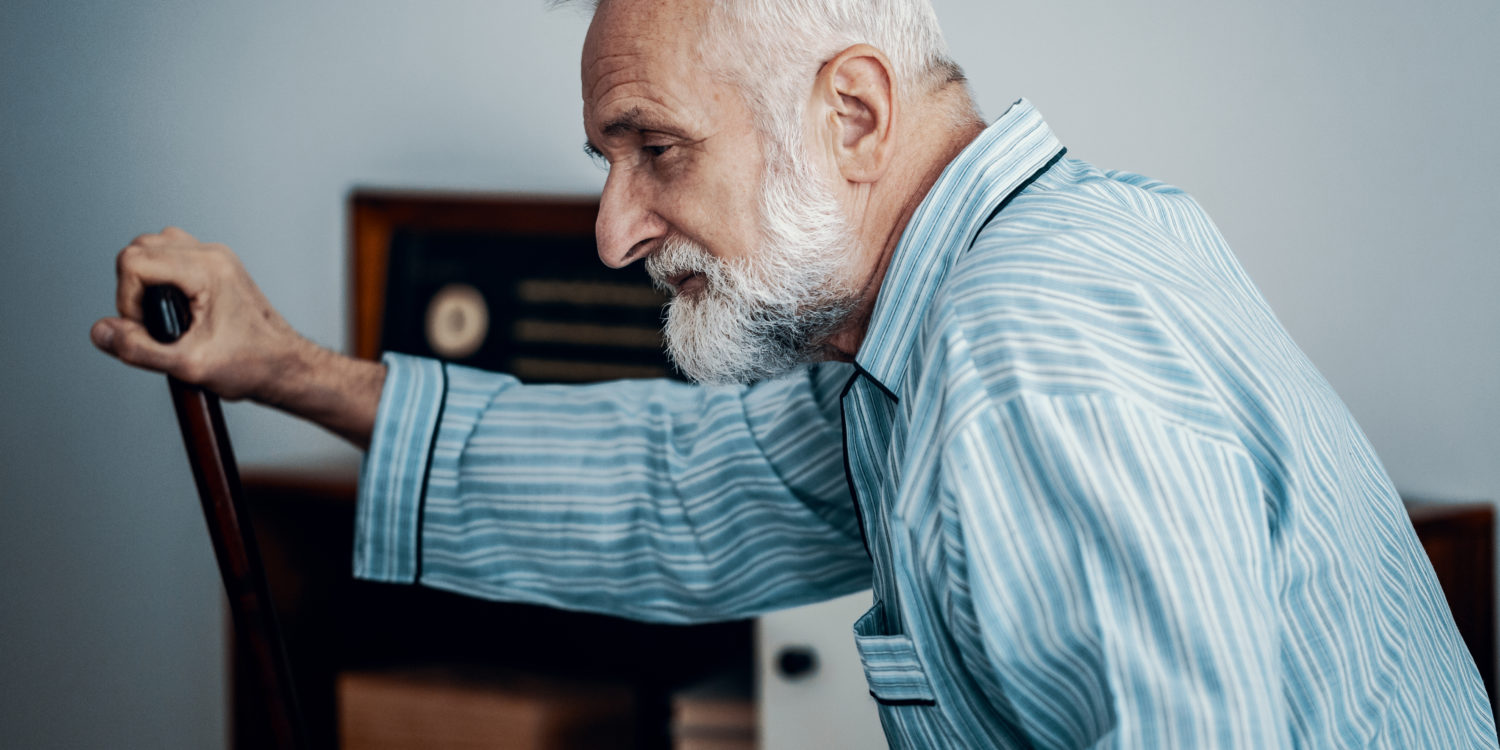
pixel 224 263
pixel 192 368
pixel 127 258
pixel 178 233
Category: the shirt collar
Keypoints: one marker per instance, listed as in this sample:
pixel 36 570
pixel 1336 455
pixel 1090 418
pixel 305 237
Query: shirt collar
pixel 1005 158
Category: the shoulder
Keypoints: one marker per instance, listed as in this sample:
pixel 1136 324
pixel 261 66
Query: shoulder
pixel 1077 216
pixel 1066 293
pixel 1089 246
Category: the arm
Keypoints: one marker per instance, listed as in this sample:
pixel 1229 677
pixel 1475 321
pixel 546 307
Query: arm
pixel 238 345
pixel 732 500
pixel 1120 574
pixel 647 499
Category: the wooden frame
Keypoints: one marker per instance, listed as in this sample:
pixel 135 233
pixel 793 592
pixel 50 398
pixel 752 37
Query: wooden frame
pixel 375 214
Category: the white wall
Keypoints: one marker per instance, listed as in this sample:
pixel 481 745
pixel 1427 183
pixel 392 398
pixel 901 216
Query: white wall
pixel 1346 152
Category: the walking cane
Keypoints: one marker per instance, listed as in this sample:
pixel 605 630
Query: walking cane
pixel 167 318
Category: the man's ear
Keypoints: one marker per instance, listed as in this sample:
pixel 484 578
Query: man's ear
pixel 855 97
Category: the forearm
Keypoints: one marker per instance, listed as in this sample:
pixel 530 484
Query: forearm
pixel 643 499
pixel 339 393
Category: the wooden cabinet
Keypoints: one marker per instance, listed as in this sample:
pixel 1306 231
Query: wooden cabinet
pixel 1460 542
pixel 304 521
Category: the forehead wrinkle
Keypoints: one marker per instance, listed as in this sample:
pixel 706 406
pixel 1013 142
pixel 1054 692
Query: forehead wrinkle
pixel 624 83
pixel 637 105
pixel 643 75
pixel 653 45
pixel 606 70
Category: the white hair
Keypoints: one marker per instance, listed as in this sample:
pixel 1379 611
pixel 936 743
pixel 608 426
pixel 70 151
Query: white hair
pixel 773 50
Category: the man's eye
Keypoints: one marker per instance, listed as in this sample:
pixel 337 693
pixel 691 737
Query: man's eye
pixel 596 156
pixel 655 151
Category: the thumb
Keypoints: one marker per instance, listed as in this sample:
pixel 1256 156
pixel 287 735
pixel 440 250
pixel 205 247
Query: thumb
pixel 128 341
pixel 103 334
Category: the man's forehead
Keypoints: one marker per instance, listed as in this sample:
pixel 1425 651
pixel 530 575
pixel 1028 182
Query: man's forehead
pixel 640 26
pixel 642 48
pixel 654 10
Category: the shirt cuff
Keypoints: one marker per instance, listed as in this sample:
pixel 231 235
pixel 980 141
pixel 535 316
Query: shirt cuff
pixel 393 478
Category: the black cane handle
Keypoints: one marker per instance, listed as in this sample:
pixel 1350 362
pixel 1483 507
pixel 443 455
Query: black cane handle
pixel 167 318
pixel 167 313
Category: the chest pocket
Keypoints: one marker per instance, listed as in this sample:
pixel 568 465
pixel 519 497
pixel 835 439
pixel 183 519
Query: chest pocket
pixel 892 670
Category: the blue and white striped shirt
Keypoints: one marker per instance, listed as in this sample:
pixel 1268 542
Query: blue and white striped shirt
pixel 1101 496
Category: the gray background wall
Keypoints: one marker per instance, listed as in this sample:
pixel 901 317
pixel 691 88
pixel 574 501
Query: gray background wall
pixel 1347 151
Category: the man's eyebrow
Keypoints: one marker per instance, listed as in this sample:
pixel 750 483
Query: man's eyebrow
pixel 633 120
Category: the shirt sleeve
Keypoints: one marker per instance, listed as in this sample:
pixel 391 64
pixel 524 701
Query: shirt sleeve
pixel 648 499
pixel 1118 573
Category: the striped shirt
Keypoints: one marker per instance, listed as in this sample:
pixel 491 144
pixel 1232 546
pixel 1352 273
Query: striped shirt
pixel 1101 496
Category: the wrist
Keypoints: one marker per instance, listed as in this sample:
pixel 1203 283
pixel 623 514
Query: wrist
pixel 340 393
pixel 290 379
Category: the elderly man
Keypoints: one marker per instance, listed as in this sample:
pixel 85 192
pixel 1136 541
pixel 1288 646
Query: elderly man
pixel 1101 497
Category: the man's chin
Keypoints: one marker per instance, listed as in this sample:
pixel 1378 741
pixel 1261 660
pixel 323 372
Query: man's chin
pixel 707 369
pixel 721 358
pixel 724 363
pixel 716 340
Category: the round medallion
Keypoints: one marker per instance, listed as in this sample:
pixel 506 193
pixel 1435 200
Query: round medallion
pixel 457 321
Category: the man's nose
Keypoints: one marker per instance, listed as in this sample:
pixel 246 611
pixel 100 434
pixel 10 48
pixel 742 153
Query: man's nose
pixel 627 227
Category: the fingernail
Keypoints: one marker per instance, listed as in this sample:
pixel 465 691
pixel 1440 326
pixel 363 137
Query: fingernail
pixel 102 335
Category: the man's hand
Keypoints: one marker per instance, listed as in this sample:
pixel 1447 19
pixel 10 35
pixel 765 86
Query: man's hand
pixel 238 346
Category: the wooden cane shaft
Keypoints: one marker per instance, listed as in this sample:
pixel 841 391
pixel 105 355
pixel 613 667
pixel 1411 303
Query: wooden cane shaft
pixel 214 470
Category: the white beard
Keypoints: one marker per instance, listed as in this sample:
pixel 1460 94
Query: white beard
pixel 762 315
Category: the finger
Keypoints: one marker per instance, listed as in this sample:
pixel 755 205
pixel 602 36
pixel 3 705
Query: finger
pixel 129 342
pixel 139 266
pixel 150 239
pixel 177 234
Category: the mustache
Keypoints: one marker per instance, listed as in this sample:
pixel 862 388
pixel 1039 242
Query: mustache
pixel 679 257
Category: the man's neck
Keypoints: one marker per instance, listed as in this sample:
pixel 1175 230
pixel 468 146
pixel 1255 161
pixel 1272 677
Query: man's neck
pixel 891 207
